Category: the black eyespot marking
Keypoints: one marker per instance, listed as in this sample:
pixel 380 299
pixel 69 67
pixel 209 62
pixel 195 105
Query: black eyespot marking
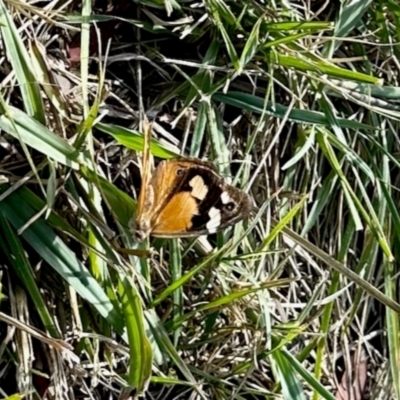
pixel 229 207
pixel 179 172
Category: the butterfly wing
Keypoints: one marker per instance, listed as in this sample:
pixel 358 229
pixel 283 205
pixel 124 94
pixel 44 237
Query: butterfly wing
pixel 141 225
pixel 191 199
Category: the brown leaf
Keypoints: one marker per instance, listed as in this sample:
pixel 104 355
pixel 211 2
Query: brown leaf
pixel 357 376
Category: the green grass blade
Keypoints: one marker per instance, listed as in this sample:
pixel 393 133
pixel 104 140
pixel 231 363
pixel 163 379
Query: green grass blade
pixel 220 13
pixel 37 136
pixel 162 339
pixel 291 387
pixel 256 104
pixel 181 281
pixel 324 68
pixel 251 46
pixel 134 140
pixel 324 393
pixel 228 299
pixel 176 274
pixel 22 65
pixel 139 346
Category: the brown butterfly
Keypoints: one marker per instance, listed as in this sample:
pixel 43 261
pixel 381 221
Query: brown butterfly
pixel 185 197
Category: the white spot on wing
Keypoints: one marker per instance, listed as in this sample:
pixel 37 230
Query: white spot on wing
pixel 225 198
pixel 215 220
pixel 199 189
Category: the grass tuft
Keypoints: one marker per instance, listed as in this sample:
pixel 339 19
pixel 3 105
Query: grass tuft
pixel 296 103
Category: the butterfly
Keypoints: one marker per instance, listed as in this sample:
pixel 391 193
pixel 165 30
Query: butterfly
pixel 185 197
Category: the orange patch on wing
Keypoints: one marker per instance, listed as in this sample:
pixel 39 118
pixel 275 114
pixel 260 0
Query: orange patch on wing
pixel 177 215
